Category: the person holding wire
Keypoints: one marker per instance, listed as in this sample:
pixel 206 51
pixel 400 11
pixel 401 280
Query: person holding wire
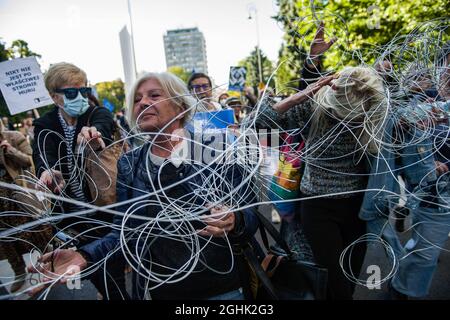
pixel 178 217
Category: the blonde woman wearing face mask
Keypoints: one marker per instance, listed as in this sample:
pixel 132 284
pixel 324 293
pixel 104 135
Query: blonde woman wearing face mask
pixel 58 134
pixel 341 118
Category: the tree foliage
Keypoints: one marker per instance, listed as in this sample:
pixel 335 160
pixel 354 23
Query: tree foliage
pixel 4 55
pixel 291 54
pixel 180 72
pixel 113 91
pixel 362 27
pixel 251 63
pixel 19 49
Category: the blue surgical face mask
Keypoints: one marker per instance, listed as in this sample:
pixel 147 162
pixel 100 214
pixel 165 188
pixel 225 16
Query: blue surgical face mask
pixel 77 106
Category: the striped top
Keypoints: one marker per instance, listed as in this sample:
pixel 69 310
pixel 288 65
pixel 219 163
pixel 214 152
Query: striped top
pixel 74 182
pixel 333 163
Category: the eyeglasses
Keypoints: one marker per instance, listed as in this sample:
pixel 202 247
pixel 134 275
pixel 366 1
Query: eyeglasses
pixel 72 93
pixel 203 87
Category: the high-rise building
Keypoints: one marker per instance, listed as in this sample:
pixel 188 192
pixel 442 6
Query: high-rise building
pixel 186 48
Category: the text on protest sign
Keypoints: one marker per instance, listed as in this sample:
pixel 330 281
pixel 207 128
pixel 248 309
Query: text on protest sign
pixel 237 78
pixel 22 85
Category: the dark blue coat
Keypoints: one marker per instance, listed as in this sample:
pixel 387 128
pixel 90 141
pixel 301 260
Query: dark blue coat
pixel 162 254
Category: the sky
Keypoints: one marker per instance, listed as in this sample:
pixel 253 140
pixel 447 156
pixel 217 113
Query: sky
pixel 86 32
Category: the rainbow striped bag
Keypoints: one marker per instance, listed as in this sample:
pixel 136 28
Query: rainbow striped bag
pixel 285 184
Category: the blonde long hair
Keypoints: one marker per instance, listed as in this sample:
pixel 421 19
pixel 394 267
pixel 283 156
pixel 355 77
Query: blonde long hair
pixel 358 97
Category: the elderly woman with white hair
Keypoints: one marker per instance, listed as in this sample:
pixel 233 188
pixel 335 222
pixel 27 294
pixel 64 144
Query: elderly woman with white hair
pixel 176 248
pixel 341 118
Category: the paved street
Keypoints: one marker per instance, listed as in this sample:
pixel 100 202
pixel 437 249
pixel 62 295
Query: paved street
pixel 440 289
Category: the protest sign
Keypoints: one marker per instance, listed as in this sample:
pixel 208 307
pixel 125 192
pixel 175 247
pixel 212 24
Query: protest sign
pixel 237 79
pixel 204 121
pixel 108 105
pixel 22 85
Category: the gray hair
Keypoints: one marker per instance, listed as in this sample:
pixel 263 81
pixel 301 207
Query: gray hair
pixel 172 86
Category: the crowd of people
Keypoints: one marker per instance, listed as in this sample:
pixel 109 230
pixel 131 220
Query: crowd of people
pixel 374 138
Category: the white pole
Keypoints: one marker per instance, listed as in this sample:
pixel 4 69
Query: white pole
pixel 258 46
pixel 252 7
pixel 132 38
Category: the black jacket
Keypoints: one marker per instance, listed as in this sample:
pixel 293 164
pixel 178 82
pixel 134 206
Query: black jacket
pixel 49 148
pixel 159 252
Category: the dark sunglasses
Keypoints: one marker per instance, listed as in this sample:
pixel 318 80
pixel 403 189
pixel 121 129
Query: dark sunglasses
pixel 203 87
pixel 72 93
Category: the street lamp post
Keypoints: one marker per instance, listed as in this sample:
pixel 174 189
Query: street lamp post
pixel 252 8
